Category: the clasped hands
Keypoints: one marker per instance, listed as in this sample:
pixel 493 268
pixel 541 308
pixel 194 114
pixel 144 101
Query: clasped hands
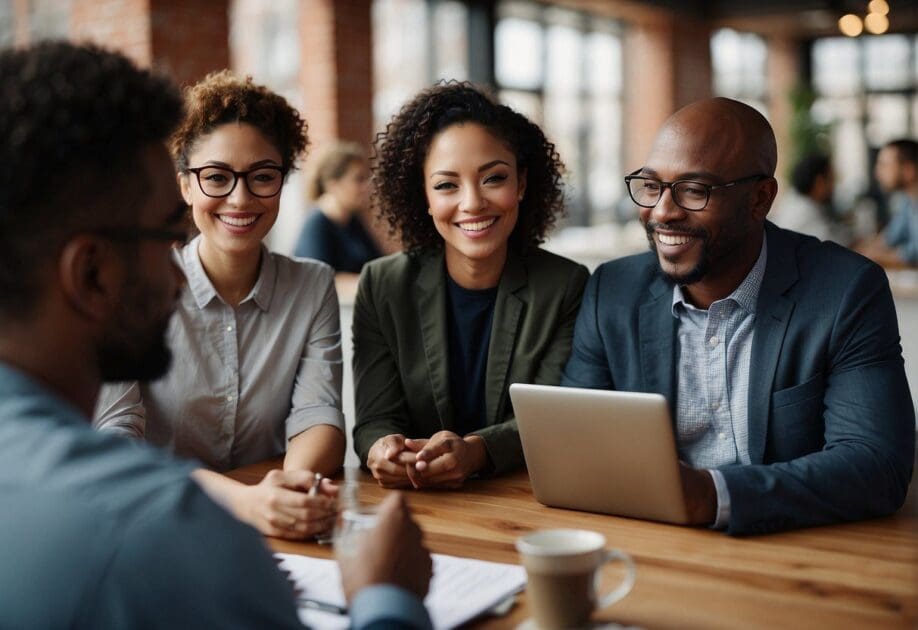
pixel 445 460
pixel 282 506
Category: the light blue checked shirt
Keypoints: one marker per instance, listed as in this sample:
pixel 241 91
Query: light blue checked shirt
pixel 715 347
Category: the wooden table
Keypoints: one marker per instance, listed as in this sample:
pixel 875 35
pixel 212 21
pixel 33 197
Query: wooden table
pixel 857 575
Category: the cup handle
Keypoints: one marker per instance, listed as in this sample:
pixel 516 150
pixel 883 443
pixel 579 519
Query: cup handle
pixel 627 584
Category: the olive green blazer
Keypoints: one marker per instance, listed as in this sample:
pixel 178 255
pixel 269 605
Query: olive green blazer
pixel 401 363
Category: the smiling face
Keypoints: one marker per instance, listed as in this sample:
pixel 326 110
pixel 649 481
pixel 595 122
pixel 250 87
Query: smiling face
pixel 714 247
pixel 236 224
pixel 473 191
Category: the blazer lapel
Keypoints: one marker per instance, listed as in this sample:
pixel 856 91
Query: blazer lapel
pixel 508 309
pixel 657 335
pixel 430 297
pixel 772 315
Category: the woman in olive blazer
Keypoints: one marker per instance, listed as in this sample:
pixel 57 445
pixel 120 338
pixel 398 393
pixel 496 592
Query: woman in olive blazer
pixel 441 331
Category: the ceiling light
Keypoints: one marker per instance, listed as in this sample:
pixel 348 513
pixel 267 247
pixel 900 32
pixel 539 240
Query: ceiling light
pixel 851 25
pixel 876 23
pixel 878 6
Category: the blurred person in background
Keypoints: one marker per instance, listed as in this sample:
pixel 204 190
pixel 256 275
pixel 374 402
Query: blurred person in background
pixel 896 171
pixel 807 208
pixel 338 183
pixel 441 331
pixel 256 334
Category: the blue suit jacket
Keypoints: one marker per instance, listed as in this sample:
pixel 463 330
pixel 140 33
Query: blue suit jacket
pixel 831 422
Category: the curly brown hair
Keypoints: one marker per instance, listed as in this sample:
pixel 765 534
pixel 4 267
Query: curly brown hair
pixel 222 97
pixel 400 151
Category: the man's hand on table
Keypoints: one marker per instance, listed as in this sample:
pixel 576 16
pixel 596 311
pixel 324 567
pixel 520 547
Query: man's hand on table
pixel 445 460
pixel 393 552
pixel 700 495
pixel 385 461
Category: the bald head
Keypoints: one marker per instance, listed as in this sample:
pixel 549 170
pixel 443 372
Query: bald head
pixel 729 138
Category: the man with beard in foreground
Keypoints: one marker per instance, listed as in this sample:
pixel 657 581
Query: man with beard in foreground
pixel 97 531
pixel 779 354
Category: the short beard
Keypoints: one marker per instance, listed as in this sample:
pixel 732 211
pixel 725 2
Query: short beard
pixel 134 347
pixel 694 274
pixel 134 360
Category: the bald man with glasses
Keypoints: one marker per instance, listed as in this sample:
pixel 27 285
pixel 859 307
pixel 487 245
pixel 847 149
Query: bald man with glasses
pixel 779 354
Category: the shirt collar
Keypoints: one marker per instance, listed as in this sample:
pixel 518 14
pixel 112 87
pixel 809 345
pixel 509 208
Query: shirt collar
pixel 745 295
pixel 202 290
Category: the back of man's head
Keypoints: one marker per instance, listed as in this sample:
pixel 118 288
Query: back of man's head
pixel 906 150
pixel 74 120
pixel 808 170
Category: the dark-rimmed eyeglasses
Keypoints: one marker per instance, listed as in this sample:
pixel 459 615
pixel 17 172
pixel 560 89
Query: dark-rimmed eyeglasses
pixel 216 181
pixel 687 194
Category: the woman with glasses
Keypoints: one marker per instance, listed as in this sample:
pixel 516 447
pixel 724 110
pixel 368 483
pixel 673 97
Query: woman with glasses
pixel 441 331
pixel 256 371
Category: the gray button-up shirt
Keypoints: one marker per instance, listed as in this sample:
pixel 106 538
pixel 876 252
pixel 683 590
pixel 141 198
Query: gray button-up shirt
pixel 243 380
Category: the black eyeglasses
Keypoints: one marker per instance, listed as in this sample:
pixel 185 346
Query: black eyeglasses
pixel 131 234
pixel 216 181
pixel 687 194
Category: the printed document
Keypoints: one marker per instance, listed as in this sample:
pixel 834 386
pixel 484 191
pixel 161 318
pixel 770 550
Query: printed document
pixel 461 589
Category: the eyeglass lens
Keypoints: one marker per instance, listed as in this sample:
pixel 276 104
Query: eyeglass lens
pixel 647 192
pixel 261 182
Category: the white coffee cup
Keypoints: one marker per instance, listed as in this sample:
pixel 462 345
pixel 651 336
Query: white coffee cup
pixel 563 570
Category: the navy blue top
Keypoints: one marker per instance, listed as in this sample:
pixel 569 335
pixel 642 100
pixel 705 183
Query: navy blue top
pixel 469 314
pixel 345 248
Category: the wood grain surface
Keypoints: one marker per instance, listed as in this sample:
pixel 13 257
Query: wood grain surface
pixel 856 575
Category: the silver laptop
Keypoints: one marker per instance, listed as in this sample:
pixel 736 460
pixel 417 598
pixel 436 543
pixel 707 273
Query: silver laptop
pixel 600 451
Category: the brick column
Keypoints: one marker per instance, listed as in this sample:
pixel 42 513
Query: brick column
pixel 783 70
pixel 667 65
pixel 186 39
pixel 336 69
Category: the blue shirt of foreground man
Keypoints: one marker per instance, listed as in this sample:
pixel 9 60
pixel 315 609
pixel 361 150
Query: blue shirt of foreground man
pixel 96 532
pixel 779 354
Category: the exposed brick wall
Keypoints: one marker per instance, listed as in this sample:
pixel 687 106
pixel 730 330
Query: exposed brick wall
pixel 784 56
pixel 184 38
pixel 667 65
pixel 120 24
pixel 190 37
pixel 336 69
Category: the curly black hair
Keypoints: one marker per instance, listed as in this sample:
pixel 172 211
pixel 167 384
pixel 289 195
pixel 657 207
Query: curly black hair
pixel 400 152
pixel 222 97
pixel 74 120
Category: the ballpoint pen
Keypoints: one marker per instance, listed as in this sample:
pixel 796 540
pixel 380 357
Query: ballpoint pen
pixel 316 482
pixel 315 604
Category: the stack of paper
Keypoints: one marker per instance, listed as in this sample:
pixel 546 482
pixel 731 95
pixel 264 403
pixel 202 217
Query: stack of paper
pixel 461 589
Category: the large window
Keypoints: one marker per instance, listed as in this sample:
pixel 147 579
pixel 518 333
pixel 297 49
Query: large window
pixel 563 69
pixel 739 66
pixel 415 43
pixel 866 93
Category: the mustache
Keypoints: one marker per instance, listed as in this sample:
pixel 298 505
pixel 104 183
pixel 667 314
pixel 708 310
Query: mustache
pixel 651 226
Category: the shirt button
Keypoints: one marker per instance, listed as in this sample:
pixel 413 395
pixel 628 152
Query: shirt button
pixel 229 329
pixel 713 341
pixel 229 398
pixel 722 435
pixel 715 406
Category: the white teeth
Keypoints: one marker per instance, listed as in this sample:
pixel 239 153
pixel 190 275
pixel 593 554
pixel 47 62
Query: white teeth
pixel 236 221
pixel 673 239
pixel 477 226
